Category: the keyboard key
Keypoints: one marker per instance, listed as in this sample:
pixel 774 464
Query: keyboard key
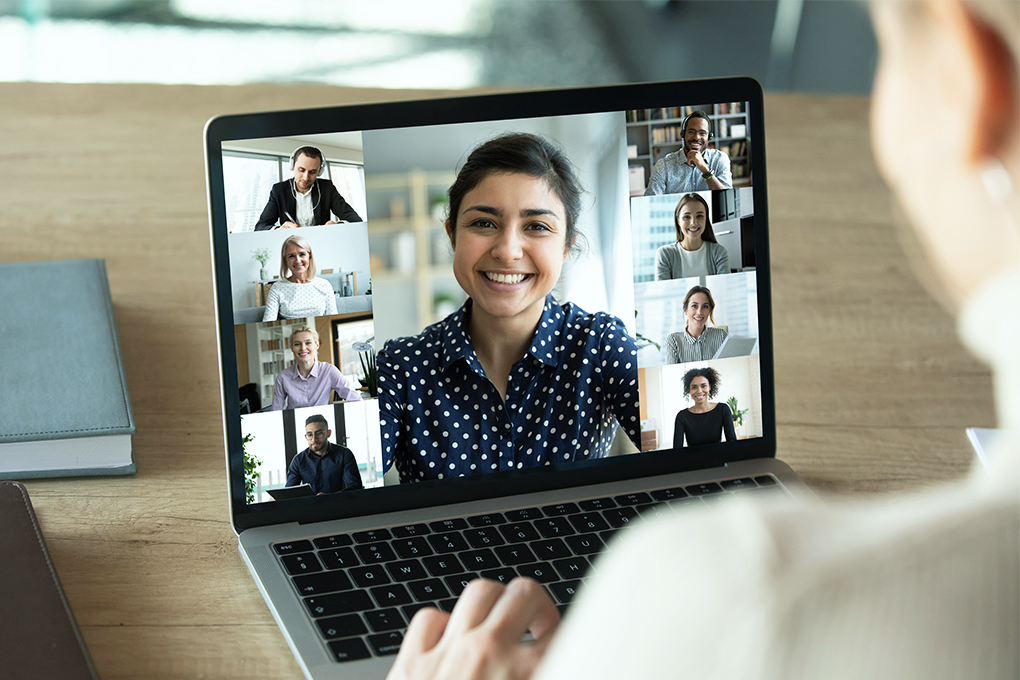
pixel 305 563
pixel 716 498
pixel 349 650
pixel 654 510
pixel 384 619
pixel 392 595
pixel 339 558
pixel 621 517
pixel 411 609
pixel 552 549
pixel 448 604
pixel 704 489
pixel 565 591
pixel 372 536
pixel 742 483
pixel 523 514
pixel 338 603
pixel 386 644
pixel 406 570
pixel 411 547
pixel 572 567
pixel 588 522
pixel 515 554
pixel 766 480
pixel 669 494
pixel 445 525
pixel 607 536
pixel 443 565
pixel 554 526
pixel 488 519
pixel 338 541
pixel 429 589
pixel 449 542
pixel 774 491
pixel 486 537
pixel 597 504
pixel 586 544
pixel 638 498
pixel 518 532
pixel 560 509
pixel 341 626
pixel 504 574
pixel 323 582
pixel 540 571
pixel 373 553
pixel 408 530
pixel 458 583
pixel 479 559
pixel 366 577
pixel 293 547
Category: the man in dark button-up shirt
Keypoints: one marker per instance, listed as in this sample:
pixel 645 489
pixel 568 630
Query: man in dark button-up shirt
pixel 324 466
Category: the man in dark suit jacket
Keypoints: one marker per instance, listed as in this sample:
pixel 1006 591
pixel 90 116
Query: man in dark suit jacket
pixel 319 196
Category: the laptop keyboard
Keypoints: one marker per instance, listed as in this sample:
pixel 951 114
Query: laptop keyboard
pixel 362 588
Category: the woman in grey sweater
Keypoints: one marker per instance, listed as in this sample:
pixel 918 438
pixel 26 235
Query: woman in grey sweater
pixel 696 251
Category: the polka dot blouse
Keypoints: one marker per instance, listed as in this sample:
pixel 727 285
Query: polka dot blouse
pixel 441 416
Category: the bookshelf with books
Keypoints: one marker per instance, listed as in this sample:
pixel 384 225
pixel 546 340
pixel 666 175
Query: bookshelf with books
pixel 653 133
pixel 410 251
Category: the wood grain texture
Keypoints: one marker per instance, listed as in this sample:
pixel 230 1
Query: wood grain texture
pixel 873 388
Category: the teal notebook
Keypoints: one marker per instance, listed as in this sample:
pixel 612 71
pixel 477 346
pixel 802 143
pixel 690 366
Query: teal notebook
pixel 64 405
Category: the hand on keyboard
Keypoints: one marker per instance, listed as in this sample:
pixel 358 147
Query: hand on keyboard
pixel 482 637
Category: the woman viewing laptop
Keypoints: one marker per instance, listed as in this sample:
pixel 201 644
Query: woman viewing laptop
pixel 697 341
pixel 299 293
pixel 696 251
pixel 513 379
pixel 918 585
pixel 308 381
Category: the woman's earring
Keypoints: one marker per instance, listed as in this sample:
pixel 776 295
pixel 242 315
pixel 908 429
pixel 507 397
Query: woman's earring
pixel 998 184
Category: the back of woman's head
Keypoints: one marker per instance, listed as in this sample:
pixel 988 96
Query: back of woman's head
pixel 528 154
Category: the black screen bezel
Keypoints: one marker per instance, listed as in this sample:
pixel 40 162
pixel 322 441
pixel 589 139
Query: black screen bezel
pixel 518 105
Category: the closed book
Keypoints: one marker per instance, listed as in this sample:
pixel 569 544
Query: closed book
pixel 64 405
pixel 38 634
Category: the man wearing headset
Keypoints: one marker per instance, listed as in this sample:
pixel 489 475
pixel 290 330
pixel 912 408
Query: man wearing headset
pixel 695 167
pixel 306 200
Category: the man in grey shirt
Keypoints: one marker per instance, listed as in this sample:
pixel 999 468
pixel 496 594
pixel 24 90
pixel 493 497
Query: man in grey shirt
pixel 695 167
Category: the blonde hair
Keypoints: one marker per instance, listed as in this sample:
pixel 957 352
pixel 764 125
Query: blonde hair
pixel 304 328
pixel 302 243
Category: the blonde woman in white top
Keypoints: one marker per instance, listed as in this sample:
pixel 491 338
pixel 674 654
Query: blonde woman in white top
pixel 299 293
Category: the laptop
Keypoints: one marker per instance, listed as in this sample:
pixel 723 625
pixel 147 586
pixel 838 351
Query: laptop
pixel 344 324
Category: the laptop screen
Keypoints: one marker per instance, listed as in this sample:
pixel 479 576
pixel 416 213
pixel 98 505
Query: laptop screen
pixel 496 298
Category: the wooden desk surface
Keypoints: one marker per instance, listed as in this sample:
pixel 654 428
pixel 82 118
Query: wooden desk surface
pixel 874 390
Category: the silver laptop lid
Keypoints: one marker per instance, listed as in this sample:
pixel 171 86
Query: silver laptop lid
pixel 372 290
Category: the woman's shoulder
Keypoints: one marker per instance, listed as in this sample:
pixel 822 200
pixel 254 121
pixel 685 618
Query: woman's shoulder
pixel 577 317
pixel 716 331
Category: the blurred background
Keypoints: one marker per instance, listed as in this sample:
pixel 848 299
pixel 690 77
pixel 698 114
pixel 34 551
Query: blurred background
pixel 788 45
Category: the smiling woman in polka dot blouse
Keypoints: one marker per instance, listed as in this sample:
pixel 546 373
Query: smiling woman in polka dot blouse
pixel 512 379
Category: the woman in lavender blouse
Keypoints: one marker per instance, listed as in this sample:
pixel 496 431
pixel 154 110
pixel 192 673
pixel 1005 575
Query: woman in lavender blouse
pixel 308 381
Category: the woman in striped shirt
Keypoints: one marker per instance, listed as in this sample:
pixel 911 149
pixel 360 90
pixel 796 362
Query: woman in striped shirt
pixel 697 341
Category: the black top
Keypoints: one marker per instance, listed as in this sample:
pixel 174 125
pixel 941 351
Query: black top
pixel 335 470
pixel 704 428
pixel 325 198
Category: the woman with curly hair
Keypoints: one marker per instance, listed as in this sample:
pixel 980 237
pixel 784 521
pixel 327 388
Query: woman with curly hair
pixel 705 421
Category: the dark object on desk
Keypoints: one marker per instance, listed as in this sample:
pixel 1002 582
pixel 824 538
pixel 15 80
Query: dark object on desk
pixel 38 636
pixel 286 492
pixel 64 409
